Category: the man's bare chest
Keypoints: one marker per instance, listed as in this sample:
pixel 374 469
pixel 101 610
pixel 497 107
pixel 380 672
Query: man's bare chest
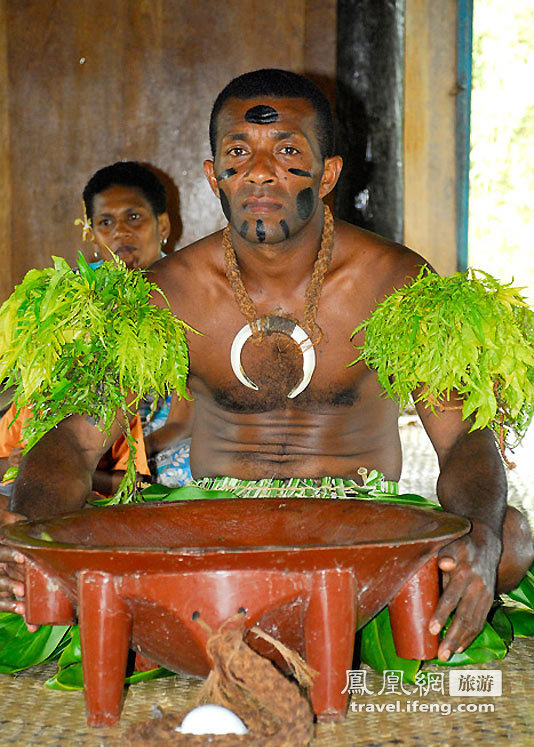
pixel 275 366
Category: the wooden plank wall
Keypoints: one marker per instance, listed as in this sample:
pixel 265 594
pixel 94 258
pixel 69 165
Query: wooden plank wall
pixel 85 84
pixel 5 170
pixel 430 131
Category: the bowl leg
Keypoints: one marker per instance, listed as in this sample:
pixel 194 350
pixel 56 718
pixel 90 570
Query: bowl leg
pixel 46 602
pixel 410 611
pixel 329 631
pixel 105 631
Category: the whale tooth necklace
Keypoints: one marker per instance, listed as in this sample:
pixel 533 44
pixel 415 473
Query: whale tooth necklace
pixel 305 336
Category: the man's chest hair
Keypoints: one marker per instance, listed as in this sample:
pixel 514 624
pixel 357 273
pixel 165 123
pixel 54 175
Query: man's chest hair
pixel 275 366
pixel 236 398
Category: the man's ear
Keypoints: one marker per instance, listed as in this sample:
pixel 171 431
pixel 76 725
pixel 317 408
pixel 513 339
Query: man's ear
pixel 331 172
pixel 164 225
pixel 209 170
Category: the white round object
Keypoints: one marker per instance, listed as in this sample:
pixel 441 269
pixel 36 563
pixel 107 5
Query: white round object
pixel 212 719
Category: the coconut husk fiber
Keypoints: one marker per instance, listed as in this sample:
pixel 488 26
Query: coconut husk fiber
pixel 273 707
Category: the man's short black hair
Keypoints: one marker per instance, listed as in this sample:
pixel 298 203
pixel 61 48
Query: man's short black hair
pixel 126 174
pixel 280 84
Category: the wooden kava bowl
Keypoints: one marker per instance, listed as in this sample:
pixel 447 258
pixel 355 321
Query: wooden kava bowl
pixel 308 571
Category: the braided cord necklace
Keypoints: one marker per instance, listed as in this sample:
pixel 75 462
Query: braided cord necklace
pixel 258 327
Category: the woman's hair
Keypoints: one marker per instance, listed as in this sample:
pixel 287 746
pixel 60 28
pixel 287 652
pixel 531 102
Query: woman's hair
pixel 126 174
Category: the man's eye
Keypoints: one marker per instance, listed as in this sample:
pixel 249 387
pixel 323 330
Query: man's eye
pixel 289 150
pixel 103 222
pixel 237 150
pixel 134 216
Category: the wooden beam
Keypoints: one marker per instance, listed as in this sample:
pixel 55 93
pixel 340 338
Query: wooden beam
pixel 430 94
pixel 5 163
pixel 320 45
pixel 369 115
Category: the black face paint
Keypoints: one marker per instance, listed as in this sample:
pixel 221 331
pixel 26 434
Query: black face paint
pixel 285 228
pixel 244 229
pixel 260 231
pixel 261 114
pixel 226 205
pixel 300 172
pixel 305 203
pixel 225 174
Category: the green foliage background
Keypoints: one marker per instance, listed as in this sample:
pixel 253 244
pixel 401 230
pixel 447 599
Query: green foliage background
pixel 501 218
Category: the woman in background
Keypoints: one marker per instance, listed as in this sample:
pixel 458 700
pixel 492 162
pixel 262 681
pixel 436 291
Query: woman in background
pixel 126 210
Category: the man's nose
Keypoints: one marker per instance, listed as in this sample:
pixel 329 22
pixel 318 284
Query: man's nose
pixel 261 169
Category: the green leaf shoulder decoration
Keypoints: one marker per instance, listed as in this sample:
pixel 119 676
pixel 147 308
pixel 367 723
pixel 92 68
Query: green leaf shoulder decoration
pixel 468 333
pixel 81 342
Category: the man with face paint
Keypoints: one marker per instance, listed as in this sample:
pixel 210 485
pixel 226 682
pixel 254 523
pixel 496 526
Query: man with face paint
pixel 276 296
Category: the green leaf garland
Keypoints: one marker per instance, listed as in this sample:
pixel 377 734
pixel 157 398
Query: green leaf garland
pixel 80 342
pixel 468 333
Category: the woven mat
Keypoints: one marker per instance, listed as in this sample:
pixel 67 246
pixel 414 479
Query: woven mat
pixel 30 714
pixel 511 722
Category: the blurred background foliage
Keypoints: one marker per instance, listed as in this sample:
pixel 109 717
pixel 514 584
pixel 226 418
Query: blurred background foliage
pixel 501 210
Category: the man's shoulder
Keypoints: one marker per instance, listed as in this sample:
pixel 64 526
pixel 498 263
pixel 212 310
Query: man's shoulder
pixel 369 253
pixel 179 275
pixel 192 258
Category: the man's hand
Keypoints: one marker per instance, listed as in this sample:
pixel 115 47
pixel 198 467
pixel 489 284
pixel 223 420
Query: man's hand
pixel 11 568
pixel 469 567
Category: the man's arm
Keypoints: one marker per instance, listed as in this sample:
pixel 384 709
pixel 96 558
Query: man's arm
pixel 471 483
pixel 56 475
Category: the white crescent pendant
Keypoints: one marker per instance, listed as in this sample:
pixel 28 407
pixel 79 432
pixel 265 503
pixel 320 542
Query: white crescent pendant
pixel 270 324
